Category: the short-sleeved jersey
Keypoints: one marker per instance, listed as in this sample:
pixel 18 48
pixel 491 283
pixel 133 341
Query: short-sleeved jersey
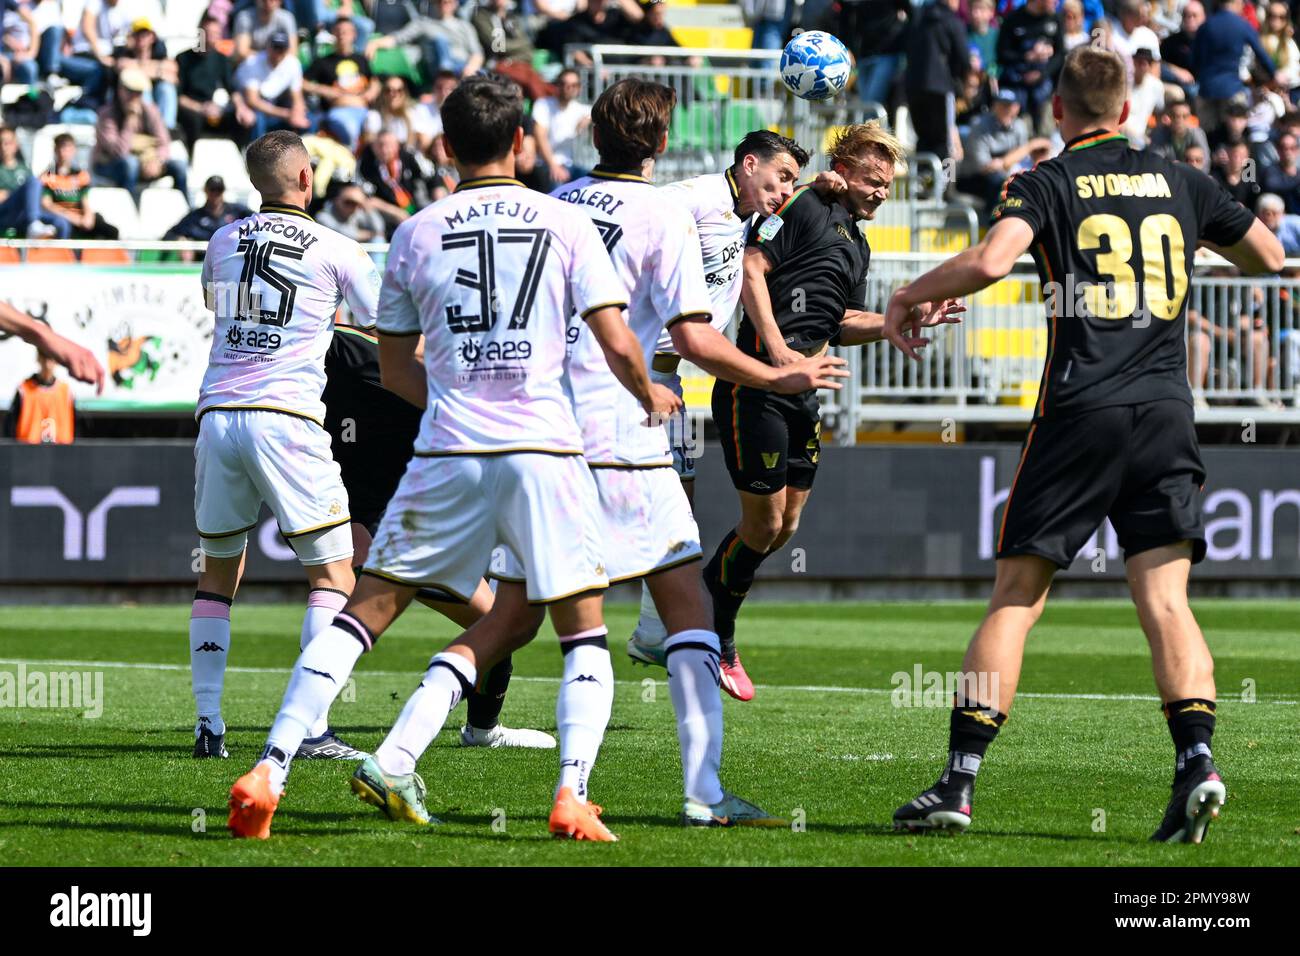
pixel 714 203
pixel 275 281
pixel 1115 231
pixel 489 275
pixel 819 259
pixel 656 251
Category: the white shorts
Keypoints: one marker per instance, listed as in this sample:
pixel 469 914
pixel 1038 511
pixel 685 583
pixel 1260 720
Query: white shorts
pixel 244 457
pixel 678 427
pixel 648 525
pixel 449 512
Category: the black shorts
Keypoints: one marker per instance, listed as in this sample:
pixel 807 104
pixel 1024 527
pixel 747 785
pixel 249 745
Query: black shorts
pixel 371 469
pixel 1139 465
pixel 768 440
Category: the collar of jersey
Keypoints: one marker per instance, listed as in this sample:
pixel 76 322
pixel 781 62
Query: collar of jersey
pixel 1095 138
pixel 284 209
pixel 599 173
pixel 485 181
pixel 735 190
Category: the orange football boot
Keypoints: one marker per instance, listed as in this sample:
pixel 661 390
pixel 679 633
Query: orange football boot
pixel 581 821
pixel 252 804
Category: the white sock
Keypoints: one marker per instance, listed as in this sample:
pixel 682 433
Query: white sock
pixel 323 605
pixel 449 678
pixel 693 682
pixel 318 676
pixel 649 628
pixel 209 648
pixel 583 708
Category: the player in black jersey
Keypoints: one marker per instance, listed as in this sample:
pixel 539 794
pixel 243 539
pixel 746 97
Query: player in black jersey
pixel 1113 232
pixel 804 289
pixel 373 432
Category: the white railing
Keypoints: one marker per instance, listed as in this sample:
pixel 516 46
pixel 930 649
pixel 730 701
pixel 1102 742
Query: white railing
pixel 728 94
pixel 1244 334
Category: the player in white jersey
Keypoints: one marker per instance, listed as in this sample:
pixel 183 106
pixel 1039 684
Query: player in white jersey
pixel 489 276
pixel 274 281
pixel 723 205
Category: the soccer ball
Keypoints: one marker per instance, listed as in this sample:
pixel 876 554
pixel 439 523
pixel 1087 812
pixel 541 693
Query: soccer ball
pixel 815 65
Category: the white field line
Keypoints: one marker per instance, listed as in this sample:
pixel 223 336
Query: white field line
pixel 803 688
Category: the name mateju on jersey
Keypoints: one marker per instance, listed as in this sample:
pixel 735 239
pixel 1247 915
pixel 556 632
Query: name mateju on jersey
pixel 489 276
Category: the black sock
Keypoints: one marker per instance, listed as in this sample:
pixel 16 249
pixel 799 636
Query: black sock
pixel 970 731
pixel 1191 724
pixel 729 576
pixel 485 703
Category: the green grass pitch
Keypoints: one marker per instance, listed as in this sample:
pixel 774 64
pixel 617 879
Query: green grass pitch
pixel 1079 775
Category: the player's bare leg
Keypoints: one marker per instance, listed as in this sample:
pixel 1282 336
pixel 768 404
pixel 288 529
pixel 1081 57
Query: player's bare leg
pixel 991 669
pixel 1184 673
pixel 483 727
pixel 694 675
pixel 210 648
pixel 318 677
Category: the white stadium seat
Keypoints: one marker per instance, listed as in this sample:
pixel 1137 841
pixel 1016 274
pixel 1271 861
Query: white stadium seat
pixel 160 209
pixel 218 157
pixel 116 206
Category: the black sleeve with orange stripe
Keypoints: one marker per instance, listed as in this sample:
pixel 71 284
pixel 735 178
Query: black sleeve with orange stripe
pixel 784 234
pixel 1026 195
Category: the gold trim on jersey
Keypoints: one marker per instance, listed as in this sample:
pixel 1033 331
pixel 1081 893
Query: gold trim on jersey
pixel 259 408
pixel 603 305
pixel 489 452
pixel 505 577
pixel 483 181
pixel 735 190
pixel 657 569
pixel 666 363
pixel 225 534
pixel 599 173
pixel 414 584
pixel 706 316
pixel 626 466
pixel 346 519
pixel 284 209
pixel 593 589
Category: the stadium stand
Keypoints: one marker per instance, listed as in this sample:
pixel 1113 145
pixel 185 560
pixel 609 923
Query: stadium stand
pixel 721 58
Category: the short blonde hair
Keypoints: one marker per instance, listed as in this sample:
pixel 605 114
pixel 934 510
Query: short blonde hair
pixel 851 143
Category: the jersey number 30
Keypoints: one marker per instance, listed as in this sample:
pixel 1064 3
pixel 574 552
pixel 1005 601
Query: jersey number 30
pixel 1118 298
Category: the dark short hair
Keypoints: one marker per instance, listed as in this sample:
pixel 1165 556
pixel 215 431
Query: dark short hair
pixel 629 120
pixel 338 20
pixel 765 144
pixel 480 117
pixel 264 154
pixel 64 138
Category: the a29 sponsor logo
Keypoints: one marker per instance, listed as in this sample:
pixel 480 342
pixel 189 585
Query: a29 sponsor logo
pixel 237 337
pixel 472 351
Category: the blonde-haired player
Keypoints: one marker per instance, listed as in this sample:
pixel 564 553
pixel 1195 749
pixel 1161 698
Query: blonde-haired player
pixel 805 288
pixel 275 281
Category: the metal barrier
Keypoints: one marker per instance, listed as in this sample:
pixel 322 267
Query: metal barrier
pixel 721 95
pixel 1244 342
pixel 1243 335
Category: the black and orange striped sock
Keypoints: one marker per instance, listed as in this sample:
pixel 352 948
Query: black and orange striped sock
pixel 729 576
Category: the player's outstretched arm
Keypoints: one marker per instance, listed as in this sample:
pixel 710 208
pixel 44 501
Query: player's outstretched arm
pixel 712 351
pixel 623 354
pixel 1258 251
pixel 80 363
pixel 401 370
pixel 978 267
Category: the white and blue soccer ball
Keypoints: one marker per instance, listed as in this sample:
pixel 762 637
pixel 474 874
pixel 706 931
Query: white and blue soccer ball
pixel 815 65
